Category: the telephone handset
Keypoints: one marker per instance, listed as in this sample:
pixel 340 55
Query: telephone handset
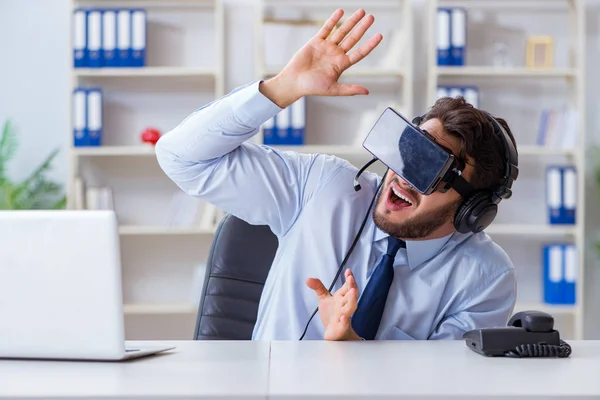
pixel 528 334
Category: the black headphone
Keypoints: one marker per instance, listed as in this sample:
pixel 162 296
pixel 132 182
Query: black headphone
pixel 480 207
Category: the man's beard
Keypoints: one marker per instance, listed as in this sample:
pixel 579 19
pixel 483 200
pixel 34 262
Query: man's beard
pixel 415 227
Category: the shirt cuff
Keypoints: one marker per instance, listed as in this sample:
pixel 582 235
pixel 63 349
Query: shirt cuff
pixel 254 108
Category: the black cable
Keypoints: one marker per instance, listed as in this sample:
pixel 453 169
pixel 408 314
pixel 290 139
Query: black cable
pixel 337 275
pixel 541 350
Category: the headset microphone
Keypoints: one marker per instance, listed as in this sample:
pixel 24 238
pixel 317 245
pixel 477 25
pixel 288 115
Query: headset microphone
pixel 367 165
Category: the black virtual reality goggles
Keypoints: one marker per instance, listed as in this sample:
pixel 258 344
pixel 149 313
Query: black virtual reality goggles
pixel 415 156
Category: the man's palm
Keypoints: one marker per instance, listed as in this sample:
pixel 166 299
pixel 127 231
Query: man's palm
pixel 336 310
pixel 317 66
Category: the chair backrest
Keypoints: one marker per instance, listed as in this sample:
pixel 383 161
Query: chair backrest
pixel 238 264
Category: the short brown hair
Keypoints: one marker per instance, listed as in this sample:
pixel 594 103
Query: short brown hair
pixel 479 140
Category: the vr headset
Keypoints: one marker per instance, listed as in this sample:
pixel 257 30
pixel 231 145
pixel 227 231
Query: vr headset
pixel 426 165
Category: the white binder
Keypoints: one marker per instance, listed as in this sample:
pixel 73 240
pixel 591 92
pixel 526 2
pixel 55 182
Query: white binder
pixel 94 116
pixel 124 37
pixel 109 38
pixel 138 37
pixel 94 38
pixel 79 38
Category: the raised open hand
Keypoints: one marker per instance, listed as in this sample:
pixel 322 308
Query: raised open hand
pixel 336 310
pixel 316 68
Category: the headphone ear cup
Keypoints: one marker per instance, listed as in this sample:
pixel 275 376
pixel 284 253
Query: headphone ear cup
pixel 476 213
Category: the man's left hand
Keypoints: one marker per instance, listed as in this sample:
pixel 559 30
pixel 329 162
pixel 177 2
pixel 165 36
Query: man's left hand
pixel 338 324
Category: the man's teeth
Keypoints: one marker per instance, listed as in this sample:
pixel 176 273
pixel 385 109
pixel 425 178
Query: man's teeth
pixel 402 197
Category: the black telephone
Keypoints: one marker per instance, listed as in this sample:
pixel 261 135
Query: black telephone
pixel 528 334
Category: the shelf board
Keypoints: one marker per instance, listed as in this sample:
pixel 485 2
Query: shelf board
pixel 103 151
pixel 517 72
pixel 149 309
pixel 145 72
pixel 341 150
pixel 359 72
pixel 330 4
pixel 548 308
pixel 131 230
pixel 531 229
pixel 533 150
pixel 148 3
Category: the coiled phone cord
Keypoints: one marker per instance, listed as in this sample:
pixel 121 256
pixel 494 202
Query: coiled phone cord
pixel 541 350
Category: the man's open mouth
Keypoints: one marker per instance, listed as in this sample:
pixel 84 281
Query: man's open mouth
pixel 398 199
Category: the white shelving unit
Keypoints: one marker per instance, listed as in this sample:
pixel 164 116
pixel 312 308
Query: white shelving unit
pixel 283 26
pixel 522 232
pixel 162 264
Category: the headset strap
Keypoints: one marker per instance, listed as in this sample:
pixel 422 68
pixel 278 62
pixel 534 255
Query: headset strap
pixel 462 187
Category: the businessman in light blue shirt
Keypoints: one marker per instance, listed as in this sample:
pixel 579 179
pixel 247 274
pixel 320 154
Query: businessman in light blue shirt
pixel 444 282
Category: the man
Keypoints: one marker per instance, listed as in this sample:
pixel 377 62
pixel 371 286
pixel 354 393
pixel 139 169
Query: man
pixel 444 282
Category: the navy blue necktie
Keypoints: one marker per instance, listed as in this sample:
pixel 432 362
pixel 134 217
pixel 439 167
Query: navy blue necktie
pixel 367 316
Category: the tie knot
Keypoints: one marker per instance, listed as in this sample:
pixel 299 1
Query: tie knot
pixel 394 245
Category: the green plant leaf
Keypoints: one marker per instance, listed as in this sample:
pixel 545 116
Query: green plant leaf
pixel 8 147
pixel 36 191
pixel 37 173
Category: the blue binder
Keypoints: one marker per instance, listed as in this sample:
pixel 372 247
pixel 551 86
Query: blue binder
pixel 298 123
pixel 109 38
pixel 561 194
pixel 124 37
pixel 458 35
pixel 571 270
pixel 569 194
pixel 554 203
pixel 282 127
pixel 456 91
pixel 442 91
pixel 94 116
pixel 444 56
pixel 94 38
pixel 471 95
pixel 560 273
pixel 79 117
pixel 79 38
pixel 553 273
pixel 269 131
pixel 138 37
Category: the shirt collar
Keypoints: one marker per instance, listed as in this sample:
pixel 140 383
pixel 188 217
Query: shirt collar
pixel 417 251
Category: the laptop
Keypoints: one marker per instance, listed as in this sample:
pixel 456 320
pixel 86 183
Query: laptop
pixel 60 287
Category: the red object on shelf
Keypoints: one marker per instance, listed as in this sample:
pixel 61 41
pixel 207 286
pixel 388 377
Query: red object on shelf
pixel 150 135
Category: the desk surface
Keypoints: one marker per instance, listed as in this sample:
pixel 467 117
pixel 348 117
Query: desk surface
pixel 311 369
pixel 193 370
pixel 431 369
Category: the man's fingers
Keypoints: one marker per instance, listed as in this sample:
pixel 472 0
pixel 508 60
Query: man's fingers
pixel 357 33
pixel 365 49
pixel 344 322
pixel 346 27
pixel 347 89
pixel 330 24
pixel 318 287
pixel 347 285
pixel 350 302
pixel 350 280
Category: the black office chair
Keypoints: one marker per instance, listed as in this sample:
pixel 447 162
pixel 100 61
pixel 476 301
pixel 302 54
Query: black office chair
pixel 240 259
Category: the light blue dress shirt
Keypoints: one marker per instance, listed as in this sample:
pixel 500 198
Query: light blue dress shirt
pixel 441 287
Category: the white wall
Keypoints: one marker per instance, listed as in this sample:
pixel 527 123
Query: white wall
pixel 34 79
pixel 34 90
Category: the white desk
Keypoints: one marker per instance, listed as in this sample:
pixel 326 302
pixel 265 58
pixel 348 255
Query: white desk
pixel 194 370
pixel 312 369
pixel 429 370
